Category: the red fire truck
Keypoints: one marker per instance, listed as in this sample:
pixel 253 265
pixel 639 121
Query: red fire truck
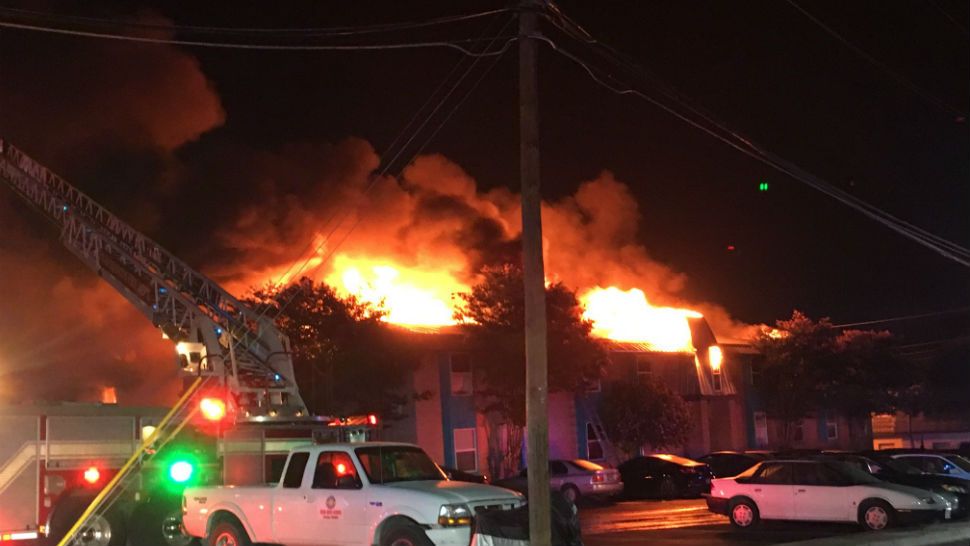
pixel 104 475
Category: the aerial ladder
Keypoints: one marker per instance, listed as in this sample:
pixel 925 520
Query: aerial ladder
pixel 222 345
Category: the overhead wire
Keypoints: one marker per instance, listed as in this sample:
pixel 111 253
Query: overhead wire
pixel 259 31
pixel 962 28
pixel 743 144
pixel 903 318
pixel 893 74
pixel 452 44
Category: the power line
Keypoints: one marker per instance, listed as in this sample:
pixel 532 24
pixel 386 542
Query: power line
pixel 896 76
pixel 261 31
pixel 952 19
pixel 453 44
pixel 744 145
pixel 903 318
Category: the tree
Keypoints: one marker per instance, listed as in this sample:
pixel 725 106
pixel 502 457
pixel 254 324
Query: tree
pixel 810 365
pixel 493 317
pixel 346 359
pixel 645 413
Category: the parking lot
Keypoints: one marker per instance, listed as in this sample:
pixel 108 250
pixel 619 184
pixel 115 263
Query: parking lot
pixel 688 523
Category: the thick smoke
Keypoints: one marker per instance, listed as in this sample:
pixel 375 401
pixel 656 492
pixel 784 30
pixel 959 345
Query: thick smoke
pixel 435 219
pixel 76 104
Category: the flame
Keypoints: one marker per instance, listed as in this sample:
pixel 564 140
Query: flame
pixel 626 315
pixel 410 296
pixel 109 395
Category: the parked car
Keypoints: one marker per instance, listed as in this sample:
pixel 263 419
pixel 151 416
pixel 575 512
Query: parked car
pixel 944 464
pixel 813 490
pixel 575 478
pixel 725 464
pixel 462 476
pixel 664 476
pixel 898 471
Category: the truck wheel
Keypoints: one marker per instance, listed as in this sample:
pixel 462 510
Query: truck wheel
pixel 99 530
pixel 158 522
pixel 407 534
pixel 227 533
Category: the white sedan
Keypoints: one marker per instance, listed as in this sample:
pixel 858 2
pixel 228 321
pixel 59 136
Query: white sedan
pixel 820 491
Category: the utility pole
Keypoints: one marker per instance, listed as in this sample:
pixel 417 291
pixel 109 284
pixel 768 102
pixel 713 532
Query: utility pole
pixel 536 377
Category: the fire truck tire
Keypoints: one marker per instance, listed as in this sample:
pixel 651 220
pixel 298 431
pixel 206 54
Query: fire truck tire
pixel 157 523
pixel 100 530
pixel 227 533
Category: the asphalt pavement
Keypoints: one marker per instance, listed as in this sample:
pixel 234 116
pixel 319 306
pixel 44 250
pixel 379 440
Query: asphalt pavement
pixel 688 523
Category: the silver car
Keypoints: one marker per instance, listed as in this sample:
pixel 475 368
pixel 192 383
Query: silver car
pixel 575 478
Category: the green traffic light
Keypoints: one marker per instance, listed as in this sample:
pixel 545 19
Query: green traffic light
pixel 181 471
pixel 763 186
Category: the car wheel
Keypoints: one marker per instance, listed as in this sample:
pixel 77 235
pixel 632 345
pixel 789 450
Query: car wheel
pixel 876 515
pixel 571 493
pixel 668 489
pixel 743 514
pixel 407 534
pixel 227 533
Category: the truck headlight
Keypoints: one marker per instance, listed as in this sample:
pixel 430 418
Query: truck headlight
pixel 954 488
pixel 454 515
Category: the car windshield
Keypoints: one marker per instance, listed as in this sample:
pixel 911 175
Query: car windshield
pixel 387 464
pixel 960 461
pixel 586 465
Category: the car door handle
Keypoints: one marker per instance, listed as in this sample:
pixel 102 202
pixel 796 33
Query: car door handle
pixel 757 490
pixel 800 491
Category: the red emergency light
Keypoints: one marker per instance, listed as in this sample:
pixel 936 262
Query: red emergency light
pixel 372 419
pixel 92 475
pixel 213 409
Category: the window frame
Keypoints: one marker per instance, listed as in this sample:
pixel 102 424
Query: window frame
pixel 649 373
pixel 285 482
pixel 831 424
pixel 468 378
pixel 473 450
pixel 593 439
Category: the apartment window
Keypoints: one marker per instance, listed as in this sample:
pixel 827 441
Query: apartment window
pixel 466 450
pixel 644 369
pixel 761 429
pixel 831 428
pixel 461 374
pixel 716 379
pixel 798 432
pixel 594 449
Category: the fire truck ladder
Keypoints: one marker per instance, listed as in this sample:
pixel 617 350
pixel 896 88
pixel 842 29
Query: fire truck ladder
pixel 215 334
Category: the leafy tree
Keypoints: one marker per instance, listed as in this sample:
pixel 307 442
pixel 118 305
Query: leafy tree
pixel 645 413
pixel 493 317
pixel 810 365
pixel 347 361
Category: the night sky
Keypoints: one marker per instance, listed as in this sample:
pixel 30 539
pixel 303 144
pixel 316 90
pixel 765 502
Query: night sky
pixel 761 67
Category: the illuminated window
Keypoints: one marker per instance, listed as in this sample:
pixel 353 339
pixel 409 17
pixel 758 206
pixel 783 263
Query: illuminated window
pixel 461 374
pixel 594 449
pixel 760 429
pixel 466 452
pixel 716 379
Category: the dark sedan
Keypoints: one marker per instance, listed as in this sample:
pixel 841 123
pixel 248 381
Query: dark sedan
pixel 664 476
pixel 726 464
pixel 896 471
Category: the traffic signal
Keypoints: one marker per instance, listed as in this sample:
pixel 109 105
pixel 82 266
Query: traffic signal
pixel 181 471
pixel 213 409
pixel 763 186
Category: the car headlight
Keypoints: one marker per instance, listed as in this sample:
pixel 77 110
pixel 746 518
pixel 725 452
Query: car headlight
pixel 954 488
pixel 927 500
pixel 454 515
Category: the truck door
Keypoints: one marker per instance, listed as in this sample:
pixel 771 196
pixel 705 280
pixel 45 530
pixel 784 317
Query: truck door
pixel 336 509
pixel 289 502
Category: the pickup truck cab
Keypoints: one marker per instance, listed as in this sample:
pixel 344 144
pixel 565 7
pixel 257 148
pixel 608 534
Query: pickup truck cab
pixel 383 493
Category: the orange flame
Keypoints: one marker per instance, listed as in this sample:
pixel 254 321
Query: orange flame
pixel 628 316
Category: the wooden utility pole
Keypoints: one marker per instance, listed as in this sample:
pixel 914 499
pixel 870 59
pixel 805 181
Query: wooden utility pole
pixel 536 378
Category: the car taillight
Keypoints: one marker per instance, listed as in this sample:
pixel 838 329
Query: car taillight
pixel 599 477
pixel 687 470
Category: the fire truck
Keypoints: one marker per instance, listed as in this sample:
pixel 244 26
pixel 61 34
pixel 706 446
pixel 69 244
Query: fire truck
pixel 106 475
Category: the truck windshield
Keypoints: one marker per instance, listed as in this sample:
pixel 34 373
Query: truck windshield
pixel 387 464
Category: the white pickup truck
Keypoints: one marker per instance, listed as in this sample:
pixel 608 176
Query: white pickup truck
pixel 382 493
